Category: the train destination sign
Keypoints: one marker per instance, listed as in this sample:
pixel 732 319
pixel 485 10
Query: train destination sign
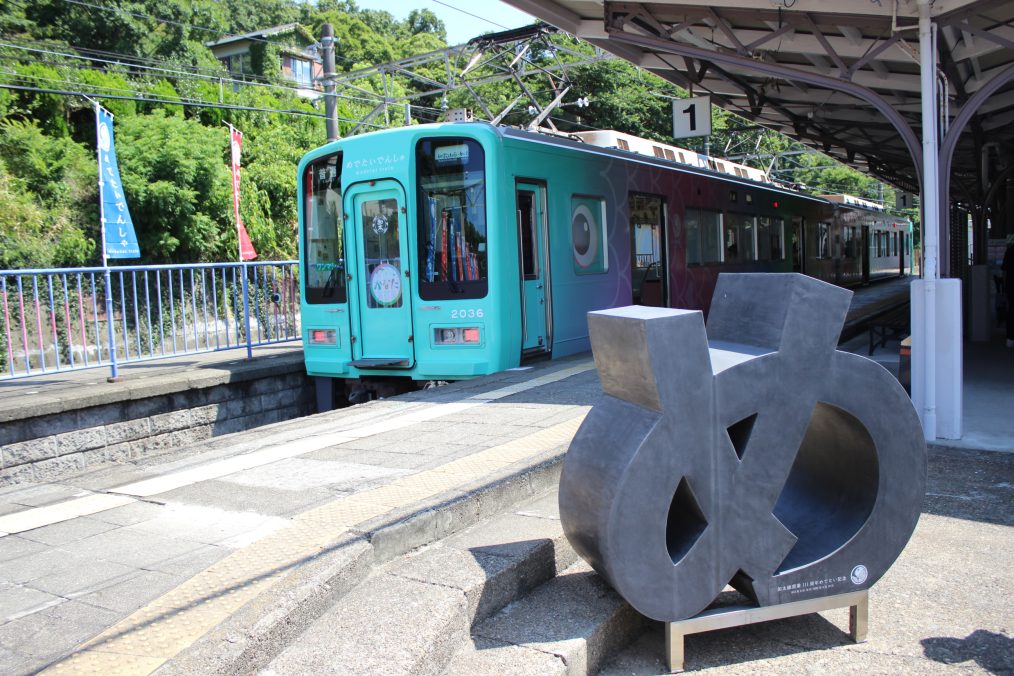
pixel 750 452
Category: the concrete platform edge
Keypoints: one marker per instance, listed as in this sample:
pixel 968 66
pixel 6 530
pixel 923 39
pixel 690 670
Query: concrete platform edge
pixel 251 637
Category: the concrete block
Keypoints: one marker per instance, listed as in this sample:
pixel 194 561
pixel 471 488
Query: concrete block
pixel 115 453
pixel 267 386
pixel 154 445
pixel 143 408
pixel 487 582
pixel 129 593
pixel 388 625
pixel 254 635
pixel 16 600
pixel 204 415
pixel 94 416
pixel 13 432
pixel 170 422
pixel 218 393
pixel 239 407
pixel 188 398
pixel 485 656
pixel 59 534
pixel 274 400
pixel 80 440
pixel 128 430
pixel 28 451
pixel 576 616
pixel 58 468
pixel 15 546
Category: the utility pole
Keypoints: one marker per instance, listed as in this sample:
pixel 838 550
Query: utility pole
pixel 330 100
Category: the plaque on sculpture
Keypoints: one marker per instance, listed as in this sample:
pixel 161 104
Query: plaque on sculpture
pixel 751 452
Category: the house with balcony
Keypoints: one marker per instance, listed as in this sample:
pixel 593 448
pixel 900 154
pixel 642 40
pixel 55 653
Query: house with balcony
pixel 288 51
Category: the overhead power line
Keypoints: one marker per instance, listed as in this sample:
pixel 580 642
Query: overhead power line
pixel 169 73
pixel 195 104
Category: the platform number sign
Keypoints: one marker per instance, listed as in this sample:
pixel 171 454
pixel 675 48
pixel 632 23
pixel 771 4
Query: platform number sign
pixel 691 117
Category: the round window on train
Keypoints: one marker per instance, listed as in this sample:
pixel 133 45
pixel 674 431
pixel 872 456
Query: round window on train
pixel 585 236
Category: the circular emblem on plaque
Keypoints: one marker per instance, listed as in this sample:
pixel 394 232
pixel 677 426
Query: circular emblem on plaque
pixel 859 574
pixel 385 284
pixel 380 224
pixel 585 236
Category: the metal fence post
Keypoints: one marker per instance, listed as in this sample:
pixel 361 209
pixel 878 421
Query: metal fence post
pixel 114 375
pixel 246 311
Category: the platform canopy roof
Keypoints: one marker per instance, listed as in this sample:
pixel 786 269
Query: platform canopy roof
pixel 842 76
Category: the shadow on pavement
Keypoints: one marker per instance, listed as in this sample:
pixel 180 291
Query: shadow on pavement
pixel 971 485
pixel 992 652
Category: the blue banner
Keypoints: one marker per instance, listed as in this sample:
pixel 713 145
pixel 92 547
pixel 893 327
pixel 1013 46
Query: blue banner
pixel 120 239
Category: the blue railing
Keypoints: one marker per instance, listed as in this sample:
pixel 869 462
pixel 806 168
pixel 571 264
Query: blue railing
pixel 73 318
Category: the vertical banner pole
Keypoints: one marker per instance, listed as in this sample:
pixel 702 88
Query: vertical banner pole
pixel 110 337
pixel 239 235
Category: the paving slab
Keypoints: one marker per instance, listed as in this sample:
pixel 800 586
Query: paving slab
pixel 389 625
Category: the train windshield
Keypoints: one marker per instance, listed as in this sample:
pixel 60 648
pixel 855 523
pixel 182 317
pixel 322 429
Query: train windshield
pixel 324 265
pixel 451 179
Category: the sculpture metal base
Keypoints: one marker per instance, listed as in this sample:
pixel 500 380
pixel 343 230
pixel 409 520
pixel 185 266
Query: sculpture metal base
pixel 737 616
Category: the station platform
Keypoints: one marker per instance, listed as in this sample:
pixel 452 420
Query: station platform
pixel 224 556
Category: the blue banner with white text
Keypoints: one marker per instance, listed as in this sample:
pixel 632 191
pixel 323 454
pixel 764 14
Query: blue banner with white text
pixel 120 239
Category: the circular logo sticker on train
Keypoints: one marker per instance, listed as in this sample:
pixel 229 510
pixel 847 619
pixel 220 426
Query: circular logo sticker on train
pixel 585 235
pixel 385 284
pixel 380 224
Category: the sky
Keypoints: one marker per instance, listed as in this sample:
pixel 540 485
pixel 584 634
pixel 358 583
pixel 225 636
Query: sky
pixel 465 19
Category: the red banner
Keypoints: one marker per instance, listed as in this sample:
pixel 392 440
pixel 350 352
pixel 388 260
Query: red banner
pixel 246 248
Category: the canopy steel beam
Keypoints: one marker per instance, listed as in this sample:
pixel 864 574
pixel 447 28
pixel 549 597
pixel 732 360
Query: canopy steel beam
pixel 615 30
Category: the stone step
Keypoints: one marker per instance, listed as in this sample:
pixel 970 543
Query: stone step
pixel 415 613
pixel 570 625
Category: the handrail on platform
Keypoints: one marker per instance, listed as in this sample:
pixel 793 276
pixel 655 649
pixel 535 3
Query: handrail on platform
pixel 57 320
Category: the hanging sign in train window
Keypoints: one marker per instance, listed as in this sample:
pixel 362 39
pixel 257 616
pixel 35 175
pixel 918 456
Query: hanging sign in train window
pixel 385 284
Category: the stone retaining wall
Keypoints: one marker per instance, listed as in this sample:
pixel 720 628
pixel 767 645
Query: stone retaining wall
pixel 173 414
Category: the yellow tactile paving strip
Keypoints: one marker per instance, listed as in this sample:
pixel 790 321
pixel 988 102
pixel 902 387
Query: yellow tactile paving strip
pixel 146 639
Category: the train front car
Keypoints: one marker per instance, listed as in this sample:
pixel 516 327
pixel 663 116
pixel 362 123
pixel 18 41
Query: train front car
pixel 400 268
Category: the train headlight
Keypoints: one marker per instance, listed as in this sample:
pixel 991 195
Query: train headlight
pixel 323 337
pixel 457 336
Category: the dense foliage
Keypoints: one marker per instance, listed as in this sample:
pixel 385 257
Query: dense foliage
pixel 174 159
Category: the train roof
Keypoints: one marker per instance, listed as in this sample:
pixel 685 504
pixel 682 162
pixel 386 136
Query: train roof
pixel 610 138
pixel 709 167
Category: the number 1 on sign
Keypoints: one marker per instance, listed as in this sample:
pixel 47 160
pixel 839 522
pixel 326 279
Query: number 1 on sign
pixel 691 111
pixel 687 121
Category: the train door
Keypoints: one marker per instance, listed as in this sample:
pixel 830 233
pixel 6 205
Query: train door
pixel 531 209
pixel 865 245
pixel 798 249
pixel 650 273
pixel 379 284
pixel 901 253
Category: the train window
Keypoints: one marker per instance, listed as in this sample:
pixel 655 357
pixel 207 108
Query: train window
pixel 823 240
pixel 588 234
pixel 622 144
pixel 646 228
pixel 323 245
pixel 740 243
pixel 529 232
pixel 382 256
pixel 669 154
pixel 451 179
pixel 692 218
pixel 711 236
pixel 659 152
pixel 770 238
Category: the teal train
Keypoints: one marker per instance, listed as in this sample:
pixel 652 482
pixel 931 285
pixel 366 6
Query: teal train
pixel 448 251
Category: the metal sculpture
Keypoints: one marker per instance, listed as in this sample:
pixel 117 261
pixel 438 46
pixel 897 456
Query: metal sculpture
pixel 752 453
